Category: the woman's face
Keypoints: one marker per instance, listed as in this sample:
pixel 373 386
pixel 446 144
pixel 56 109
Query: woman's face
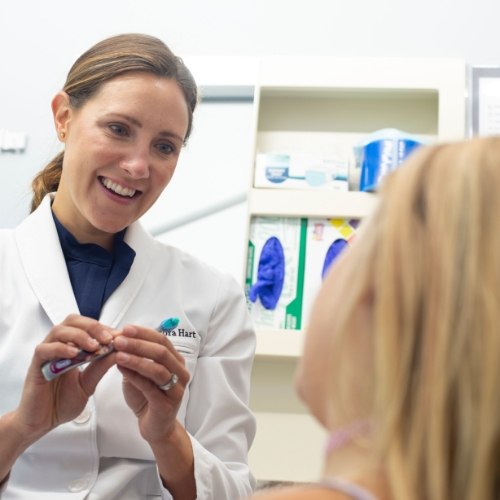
pixel 121 150
pixel 322 363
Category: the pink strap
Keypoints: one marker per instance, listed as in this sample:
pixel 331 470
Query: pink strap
pixel 346 434
pixel 353 490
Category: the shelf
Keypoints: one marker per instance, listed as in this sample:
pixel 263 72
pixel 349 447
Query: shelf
pixel 279 343
pixel 390 73
pixel 311 203
pixel 430 93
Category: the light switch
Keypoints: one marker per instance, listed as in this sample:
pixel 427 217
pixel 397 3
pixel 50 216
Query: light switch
pixel 14 142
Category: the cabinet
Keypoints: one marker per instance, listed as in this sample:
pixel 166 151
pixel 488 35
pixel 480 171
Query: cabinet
pixel 306 103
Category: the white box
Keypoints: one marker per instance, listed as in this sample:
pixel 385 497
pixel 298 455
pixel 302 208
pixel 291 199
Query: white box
pixel 291 233
pixel 301 170
pixel 321 234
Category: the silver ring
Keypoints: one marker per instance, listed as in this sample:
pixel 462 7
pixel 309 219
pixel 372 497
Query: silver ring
pixel 173 380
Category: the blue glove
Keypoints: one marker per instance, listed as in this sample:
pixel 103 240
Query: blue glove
pixel 270 274
pixel 332 253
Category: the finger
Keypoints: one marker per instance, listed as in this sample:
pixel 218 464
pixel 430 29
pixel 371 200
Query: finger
pixel 91 326
pixel 54 350
pixel 156 372
pixel 67 346
pixel 138 390
pixel 102 333
pixel 156 351
pixel 82 322
pixel 153 336
pixel 137 354
pixel 93 373
pixel 85 333
pixel 149 389
pixel 64 356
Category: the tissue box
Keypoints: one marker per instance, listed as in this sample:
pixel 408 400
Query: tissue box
pixel 291 232
pixel 300 171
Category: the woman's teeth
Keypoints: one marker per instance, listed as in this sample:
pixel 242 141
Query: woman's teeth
pixel 116 188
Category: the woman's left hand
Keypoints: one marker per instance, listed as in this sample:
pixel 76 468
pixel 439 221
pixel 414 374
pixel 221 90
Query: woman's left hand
pixel 147 359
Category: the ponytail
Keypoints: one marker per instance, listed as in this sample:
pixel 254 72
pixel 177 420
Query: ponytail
pixel 46 181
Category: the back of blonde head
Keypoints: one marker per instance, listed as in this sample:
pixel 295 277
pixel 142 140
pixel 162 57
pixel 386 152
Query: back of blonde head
pixel 432 251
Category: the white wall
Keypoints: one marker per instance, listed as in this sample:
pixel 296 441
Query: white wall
pixel 39 41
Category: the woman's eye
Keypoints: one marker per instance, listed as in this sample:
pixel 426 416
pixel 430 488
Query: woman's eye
pixel 165 148
pixel 118 129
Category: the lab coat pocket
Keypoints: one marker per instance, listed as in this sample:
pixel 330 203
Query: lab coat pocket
pixel 189 349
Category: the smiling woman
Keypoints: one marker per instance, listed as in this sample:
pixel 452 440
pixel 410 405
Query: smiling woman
pixel 164 414
pixel 122 151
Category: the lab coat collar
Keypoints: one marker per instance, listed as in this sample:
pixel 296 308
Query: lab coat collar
pixel 44 263
pixel 45 267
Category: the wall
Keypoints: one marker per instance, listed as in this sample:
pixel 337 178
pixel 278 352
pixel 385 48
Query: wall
pixel 39 41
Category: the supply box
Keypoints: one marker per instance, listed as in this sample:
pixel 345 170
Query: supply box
pixel 309 247
pixel 300 170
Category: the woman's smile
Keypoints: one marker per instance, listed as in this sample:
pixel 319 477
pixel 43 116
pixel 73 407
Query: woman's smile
pixel 118 189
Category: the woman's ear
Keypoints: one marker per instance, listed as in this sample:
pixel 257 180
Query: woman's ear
pixel 61 111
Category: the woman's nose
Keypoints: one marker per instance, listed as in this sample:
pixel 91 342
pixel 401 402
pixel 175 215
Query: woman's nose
pixel 136 163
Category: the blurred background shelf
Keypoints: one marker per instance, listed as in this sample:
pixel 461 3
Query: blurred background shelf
pixel 316 104
pixel 279 343
pixel 310 203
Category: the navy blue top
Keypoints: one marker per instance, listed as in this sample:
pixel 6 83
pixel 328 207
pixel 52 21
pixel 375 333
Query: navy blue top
pixel 94 272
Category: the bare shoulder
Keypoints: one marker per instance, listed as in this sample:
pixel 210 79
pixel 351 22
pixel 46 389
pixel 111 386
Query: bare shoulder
pixel 299 493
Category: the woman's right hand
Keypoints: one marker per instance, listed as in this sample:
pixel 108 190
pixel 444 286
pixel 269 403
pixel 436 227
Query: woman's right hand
pixel 44 405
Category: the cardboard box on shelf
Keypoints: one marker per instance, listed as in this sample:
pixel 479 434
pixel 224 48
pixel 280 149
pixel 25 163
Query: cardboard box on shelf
pixel 291 232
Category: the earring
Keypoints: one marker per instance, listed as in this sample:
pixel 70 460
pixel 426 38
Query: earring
pixel 62 135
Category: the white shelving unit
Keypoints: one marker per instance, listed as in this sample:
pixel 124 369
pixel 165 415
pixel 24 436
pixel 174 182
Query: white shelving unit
pixel 303 102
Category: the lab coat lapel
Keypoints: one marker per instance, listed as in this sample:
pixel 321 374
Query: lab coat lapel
pixel 120 300
pixel 44 263
pixel 46 270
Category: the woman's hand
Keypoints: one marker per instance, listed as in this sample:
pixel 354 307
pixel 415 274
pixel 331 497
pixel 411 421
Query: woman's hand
pixel 44 405
pixel 147 360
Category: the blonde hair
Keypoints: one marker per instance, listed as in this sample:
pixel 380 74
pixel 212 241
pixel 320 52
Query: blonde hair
pixel 430 255
pixel 108 59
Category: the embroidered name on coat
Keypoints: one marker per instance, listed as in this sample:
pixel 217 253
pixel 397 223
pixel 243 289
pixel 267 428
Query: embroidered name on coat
pixel 182 332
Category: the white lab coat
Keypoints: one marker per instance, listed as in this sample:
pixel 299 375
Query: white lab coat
pixel 101 455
